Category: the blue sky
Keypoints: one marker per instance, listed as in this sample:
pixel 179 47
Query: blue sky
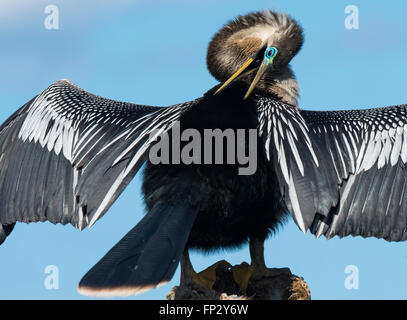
pixel 153 52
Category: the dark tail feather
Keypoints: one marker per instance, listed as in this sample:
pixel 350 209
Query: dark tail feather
pixel 146 257
pixel 5 230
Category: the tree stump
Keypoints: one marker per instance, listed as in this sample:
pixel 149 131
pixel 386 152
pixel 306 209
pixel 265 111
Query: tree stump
pixel 281 287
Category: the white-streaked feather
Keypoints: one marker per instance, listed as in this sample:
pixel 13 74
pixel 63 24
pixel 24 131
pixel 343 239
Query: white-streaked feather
pixel 295 205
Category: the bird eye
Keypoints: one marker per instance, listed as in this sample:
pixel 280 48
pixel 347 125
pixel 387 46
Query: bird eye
pixel 271 52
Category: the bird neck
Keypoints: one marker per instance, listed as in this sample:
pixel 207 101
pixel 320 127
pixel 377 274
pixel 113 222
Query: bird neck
pixel 281 84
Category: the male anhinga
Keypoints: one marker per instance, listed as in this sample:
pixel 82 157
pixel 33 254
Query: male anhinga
pixel 66 155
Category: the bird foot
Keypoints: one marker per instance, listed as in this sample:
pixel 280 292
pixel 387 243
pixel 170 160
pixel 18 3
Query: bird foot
pixel 241 274
pixel 207 277
pixel 244 272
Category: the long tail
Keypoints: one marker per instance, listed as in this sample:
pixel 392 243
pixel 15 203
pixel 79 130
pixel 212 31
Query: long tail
pixel 146 257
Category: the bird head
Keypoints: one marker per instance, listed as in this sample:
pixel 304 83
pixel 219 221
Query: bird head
pixel 257 48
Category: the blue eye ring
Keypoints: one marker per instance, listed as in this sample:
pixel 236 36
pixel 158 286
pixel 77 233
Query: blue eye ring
pixel 270 52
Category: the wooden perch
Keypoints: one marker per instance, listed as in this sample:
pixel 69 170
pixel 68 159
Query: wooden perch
pixel 281 287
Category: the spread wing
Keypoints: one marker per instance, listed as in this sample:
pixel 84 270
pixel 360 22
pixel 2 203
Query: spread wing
pixel 340 172
pixel 66 155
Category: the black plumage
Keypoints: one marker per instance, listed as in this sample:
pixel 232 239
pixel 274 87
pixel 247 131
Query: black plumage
pixel 66 156
pixel 234 206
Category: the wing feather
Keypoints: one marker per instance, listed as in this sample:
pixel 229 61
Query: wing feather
pixel 346 169
pixel 66 155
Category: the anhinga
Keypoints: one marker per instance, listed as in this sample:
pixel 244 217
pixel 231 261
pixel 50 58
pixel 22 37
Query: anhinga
pixel 66 155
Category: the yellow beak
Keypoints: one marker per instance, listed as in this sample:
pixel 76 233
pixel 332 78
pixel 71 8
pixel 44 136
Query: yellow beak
pixel 260 72
pixel 235 75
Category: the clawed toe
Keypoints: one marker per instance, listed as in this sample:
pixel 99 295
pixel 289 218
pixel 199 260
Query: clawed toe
pixel 207 277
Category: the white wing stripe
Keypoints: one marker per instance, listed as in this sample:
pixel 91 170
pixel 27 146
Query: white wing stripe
pixel 295 152
pixel 296 206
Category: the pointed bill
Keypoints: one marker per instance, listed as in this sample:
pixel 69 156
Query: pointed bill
pixel 262 69
pixel 235 75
